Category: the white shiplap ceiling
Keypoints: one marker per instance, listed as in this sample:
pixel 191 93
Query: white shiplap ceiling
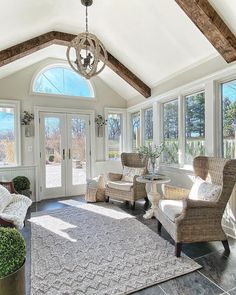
pixel 153 38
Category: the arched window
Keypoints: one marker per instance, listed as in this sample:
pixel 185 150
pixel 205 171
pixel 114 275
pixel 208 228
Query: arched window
pixel 59 80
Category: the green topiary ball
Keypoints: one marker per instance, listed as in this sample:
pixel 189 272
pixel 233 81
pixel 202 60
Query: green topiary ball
pixel 21 183
pixel 12 251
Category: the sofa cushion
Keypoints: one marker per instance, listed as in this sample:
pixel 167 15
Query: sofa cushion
pixel 120 185
pixel 16 211
pixel 5 198
pixel 171 208
pixel 204 191
pixel 130 172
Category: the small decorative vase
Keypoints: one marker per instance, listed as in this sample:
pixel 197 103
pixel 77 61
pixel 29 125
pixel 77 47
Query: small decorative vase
pixel 100 131
pixel 152 166
pixel 29 130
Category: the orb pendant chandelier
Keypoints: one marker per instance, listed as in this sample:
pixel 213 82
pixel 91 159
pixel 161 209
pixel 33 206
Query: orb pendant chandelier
pixel 86 54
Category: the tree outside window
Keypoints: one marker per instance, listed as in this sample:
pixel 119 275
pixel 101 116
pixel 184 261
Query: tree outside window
pixel 135 125
pixel 228 91
pixel 114 125
pixel 194 126
pixel 148 126
pixel 7 136
pixel 170 132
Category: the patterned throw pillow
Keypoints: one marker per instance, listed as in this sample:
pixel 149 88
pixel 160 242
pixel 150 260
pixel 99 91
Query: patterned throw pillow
pixel 130 172
pixel 5 198
pixel 204 191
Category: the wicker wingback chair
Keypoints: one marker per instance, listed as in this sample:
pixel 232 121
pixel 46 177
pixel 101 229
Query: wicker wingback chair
pixel 137 190
pixel 199 220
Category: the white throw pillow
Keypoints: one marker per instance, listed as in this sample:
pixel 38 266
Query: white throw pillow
pixel 130 172
pixel 204 191
pixel 5 198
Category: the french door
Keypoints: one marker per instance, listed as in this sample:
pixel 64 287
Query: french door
pixel 64 154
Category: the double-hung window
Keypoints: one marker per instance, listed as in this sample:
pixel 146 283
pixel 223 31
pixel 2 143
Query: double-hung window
pixel 194 126
pixel 228 102
pixel 135 131
pixel 170 132
pixel 148 126
pixel 114 133
pixel 9 133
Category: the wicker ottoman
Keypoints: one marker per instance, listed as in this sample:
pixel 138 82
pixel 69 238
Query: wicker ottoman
pixel 95 189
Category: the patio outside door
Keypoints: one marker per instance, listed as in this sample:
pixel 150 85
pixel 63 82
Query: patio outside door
pixel 64 154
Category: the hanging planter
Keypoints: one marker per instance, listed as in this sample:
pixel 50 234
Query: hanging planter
pixel 101 122
pixel 26 121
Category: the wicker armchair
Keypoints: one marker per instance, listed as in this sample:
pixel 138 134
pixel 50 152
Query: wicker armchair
pixel 137 190
pixel 200 221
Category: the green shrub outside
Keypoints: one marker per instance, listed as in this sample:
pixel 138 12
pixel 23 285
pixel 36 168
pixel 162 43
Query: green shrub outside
pixel 21 183
pixel 12 251
pixel 51 158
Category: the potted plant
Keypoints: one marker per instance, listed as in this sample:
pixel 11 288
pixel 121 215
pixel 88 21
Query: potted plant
pixel 12 262
pixel 152 152
pixel 22 185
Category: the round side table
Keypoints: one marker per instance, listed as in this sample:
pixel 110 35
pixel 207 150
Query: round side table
pixel 153 195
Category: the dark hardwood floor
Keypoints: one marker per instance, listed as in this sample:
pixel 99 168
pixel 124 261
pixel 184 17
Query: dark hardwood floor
pixel 217 275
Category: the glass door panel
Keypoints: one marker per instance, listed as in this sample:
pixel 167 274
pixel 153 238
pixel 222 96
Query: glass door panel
pixel 53 154
pixel 65 154
pixel 78 148
pixel 53 157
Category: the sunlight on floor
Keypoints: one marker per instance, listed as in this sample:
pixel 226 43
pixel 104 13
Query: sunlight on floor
pixel 99 208
pixel 54 225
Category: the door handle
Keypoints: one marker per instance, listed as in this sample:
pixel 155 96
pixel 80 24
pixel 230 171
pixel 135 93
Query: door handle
pixel 69 154
pixel 63 154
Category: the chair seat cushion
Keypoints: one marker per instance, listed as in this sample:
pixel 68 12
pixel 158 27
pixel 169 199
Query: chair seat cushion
pixel 5 198
pixel 205 191
pixel 16 211
pixel 171 208
pixel 121 185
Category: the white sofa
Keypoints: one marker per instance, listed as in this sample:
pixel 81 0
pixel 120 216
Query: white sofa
pixel 13 208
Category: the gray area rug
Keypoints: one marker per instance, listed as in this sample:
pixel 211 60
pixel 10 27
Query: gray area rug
pixel 98 249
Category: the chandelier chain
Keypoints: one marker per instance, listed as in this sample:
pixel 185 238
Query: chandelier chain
pixel 86 19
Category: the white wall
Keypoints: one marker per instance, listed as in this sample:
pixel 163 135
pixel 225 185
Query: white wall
pixel 18 86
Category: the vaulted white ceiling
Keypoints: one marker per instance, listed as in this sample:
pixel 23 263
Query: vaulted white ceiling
pixel 153 38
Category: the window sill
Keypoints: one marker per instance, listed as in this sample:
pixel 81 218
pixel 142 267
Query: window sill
pixel 183 170
pixel 16 167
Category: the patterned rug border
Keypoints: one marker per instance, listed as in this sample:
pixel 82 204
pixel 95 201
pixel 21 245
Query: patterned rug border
pixel 112 206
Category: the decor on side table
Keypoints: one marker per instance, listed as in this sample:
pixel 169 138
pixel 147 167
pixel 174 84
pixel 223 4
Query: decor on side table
pixel 26 121
pixel 12 262
pixel 22 185
pixel 152 152
pixel 91 55
pixel 100 122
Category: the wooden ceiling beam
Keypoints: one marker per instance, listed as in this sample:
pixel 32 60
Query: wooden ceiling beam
pixel 23 49
pixel 212 26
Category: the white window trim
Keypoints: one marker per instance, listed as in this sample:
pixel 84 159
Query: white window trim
pixel 16 105
pixel 123 113
pixel 61 65
pixel 143 123
pixel 219 120
pixel 37 110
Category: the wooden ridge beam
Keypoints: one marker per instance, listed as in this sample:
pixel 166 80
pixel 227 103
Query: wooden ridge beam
pixel 212 26
pixel 28 47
